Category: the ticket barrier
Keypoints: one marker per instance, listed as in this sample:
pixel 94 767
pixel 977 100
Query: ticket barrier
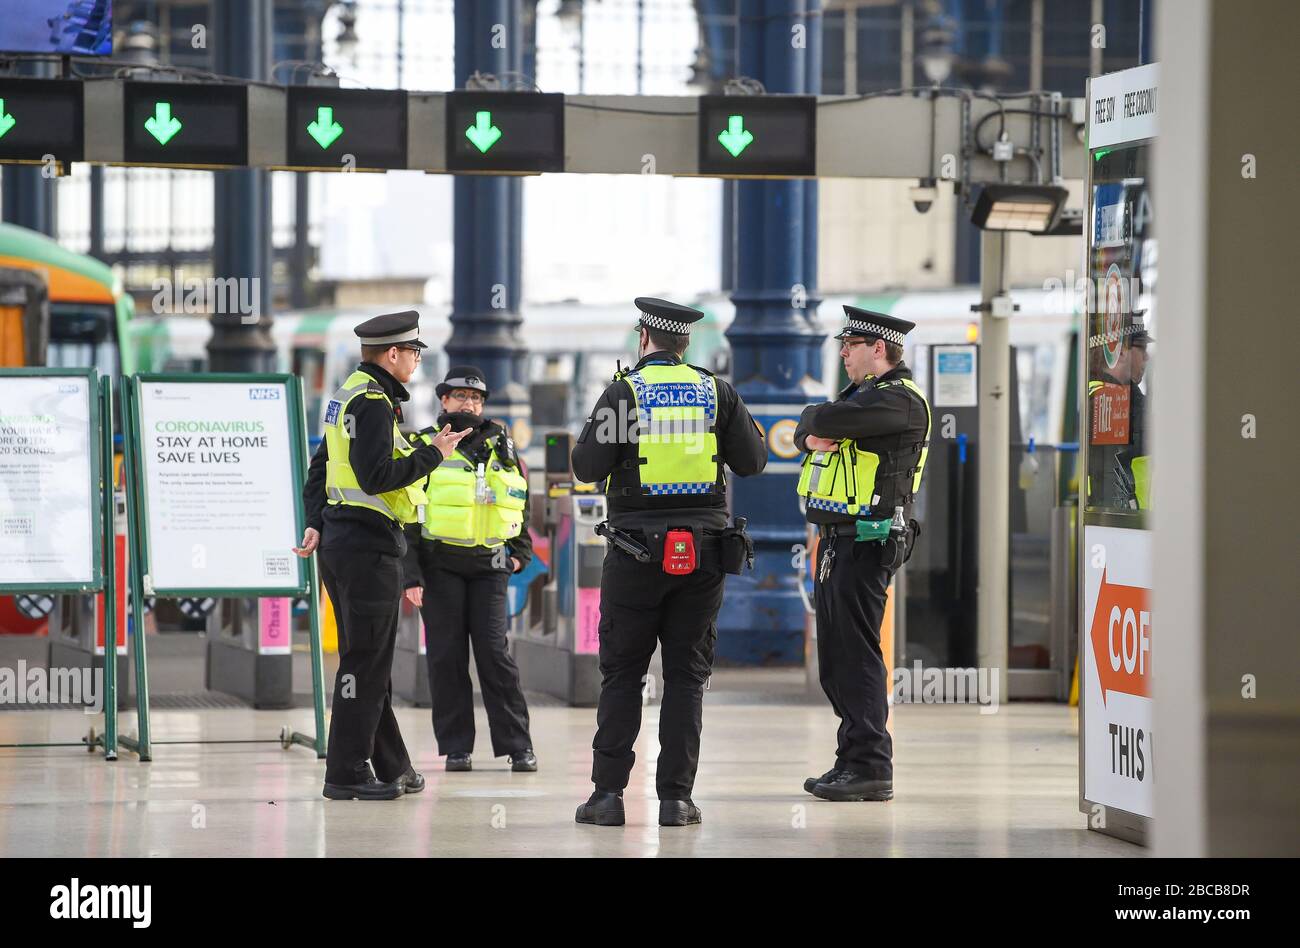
pixel 250 651
pixel 410 667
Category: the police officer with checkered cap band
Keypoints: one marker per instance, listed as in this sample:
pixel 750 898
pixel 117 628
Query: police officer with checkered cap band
pixel 658 440
pixel 362 487
pixel 865 452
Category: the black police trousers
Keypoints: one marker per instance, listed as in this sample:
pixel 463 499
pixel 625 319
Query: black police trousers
pixel 640 605
pixel 464 604
pixel 850 606
pixel 366 591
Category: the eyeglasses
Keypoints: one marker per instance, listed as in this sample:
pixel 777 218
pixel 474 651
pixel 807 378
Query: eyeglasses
pixel 466 397
pixel 418 355
pixel 850 343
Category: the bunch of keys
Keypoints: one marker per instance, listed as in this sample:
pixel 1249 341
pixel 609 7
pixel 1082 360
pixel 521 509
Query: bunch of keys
pixel 827 561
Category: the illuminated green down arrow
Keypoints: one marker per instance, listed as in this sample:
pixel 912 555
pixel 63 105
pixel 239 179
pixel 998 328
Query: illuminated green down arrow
pixel 7 121
pixel 162 125
pixel 483 133
pixel 736 138
pixel 325 130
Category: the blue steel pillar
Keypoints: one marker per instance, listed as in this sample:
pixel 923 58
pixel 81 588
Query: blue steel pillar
pixel 241 240
pixel 487 277
pixel 776 344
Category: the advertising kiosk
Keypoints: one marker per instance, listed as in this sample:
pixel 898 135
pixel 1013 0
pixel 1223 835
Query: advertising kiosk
pixel 1117 758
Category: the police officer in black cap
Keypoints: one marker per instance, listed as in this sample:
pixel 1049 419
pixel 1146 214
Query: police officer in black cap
pixel 363 486
pixel 866 451
pixel 473 537
pixel 658 439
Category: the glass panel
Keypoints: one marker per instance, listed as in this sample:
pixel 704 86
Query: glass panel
pixel 1121 262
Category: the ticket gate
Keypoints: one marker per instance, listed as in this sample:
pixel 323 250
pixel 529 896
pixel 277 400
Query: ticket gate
pixel 250 651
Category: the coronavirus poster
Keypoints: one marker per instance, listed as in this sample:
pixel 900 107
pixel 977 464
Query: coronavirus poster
pixel 47 487
pixel 219 485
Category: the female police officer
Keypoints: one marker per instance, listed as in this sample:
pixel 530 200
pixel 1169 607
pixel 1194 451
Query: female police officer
pixel 474 535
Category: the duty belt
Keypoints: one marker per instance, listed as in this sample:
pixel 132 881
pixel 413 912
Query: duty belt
pixel 837 529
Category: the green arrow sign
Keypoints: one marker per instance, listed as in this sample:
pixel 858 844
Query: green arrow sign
pixel 483 133
pixel 736 137
pixel 7 121
pixel 325 130
pixel 162 125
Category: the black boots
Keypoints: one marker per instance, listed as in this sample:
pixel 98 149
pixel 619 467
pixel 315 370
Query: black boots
pixel 678 813
pixel 603 808
pixel 813 781
pixel 459 762
pixel 524 761
pixel 370 789
pixel 846 786
pixel 411 782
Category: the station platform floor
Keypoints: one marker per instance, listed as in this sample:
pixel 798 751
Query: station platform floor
pixel 966 784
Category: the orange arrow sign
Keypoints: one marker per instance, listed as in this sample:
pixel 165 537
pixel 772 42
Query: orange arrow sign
pixel 1121 639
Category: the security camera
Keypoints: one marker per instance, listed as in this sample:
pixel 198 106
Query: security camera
pixel 923 194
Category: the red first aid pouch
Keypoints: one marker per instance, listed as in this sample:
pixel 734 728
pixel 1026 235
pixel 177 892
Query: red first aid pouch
pixel 679 552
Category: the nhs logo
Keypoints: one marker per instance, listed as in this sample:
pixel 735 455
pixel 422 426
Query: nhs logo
pixel 266 394
pixel 675 395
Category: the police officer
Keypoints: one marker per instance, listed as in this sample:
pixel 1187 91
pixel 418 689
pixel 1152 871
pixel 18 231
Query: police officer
pixel 866 451
pixel 363 485
pixel 1119 474
pixel 474 535
pixel 659 437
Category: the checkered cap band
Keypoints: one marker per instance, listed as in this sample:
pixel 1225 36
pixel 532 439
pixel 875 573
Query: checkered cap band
pixel 665 325
pixel 681 487
pixel 889 335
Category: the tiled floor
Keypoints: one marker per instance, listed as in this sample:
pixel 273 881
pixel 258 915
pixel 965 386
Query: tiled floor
pixel 966 784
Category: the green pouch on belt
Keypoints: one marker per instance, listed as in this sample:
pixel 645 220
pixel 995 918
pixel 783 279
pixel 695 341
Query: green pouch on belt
pixel 877 530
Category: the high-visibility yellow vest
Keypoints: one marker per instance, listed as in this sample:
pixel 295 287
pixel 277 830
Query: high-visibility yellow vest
pixel 1141 467
pixel 844 481
pixel 468 504
pixel 677 442
pixel 341 485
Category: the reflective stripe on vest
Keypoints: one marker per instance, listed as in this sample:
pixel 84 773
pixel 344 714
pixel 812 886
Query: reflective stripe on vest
pixel 844 481
pixel 341 484
pixel 677 446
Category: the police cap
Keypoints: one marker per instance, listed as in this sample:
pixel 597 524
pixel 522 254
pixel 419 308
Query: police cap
pixel 392 329
pixel 666 316
pixel 463 376
pixel 863 322
pixel 1138 333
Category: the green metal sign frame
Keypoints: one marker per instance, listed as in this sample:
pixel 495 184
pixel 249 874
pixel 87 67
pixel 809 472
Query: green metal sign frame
pixel 96 465
pixel 138 513
pixel 103 542
pixel 297 439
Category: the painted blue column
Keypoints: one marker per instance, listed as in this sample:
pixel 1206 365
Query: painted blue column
pixel 776 346
pixel 488 218
pixel 241 240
